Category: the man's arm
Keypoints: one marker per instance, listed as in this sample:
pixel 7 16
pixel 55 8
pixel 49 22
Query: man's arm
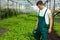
pixel 36 25
pixel 51 22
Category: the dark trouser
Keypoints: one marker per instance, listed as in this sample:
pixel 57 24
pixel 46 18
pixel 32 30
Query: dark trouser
pixel 43 34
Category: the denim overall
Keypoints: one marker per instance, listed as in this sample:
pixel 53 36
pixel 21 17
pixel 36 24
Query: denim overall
pixel 42 31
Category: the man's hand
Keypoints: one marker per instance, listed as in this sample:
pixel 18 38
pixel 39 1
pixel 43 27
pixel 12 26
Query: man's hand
pixel 36 25
pixel 50 30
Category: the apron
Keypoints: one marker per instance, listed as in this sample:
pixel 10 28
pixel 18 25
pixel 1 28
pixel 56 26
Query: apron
pixel 42 31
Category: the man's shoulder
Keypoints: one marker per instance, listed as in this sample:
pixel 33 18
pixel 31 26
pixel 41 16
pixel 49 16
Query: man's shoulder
pixel 47 8
pixel 48 11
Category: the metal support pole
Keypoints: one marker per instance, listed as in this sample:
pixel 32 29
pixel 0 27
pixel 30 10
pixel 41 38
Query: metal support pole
pixel 47 3
pixel 0 9
pixel 8 4
pixel 53 12
pixel 30 2
pixel 16 5
pixel 13 7
pixel 0 4
pixel 16 8
pixel 50 4
pixel 12 4
pixel 19 7
pixel 54 6
pixel 7 9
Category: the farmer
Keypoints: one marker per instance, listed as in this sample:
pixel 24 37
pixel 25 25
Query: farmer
pixel 44 23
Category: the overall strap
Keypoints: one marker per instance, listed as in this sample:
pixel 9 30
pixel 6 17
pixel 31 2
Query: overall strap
pixel 45 12
pixel 38 12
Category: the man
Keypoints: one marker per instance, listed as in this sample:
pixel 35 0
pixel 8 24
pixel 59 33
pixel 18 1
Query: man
pixel 44 23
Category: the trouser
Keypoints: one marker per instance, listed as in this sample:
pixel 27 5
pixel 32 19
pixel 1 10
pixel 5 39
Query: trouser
pixel 42 34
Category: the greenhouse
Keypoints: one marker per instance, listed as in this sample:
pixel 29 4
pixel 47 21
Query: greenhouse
pixel 18 19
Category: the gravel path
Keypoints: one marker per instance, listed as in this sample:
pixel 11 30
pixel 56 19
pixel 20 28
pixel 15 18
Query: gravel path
pixel 53 36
